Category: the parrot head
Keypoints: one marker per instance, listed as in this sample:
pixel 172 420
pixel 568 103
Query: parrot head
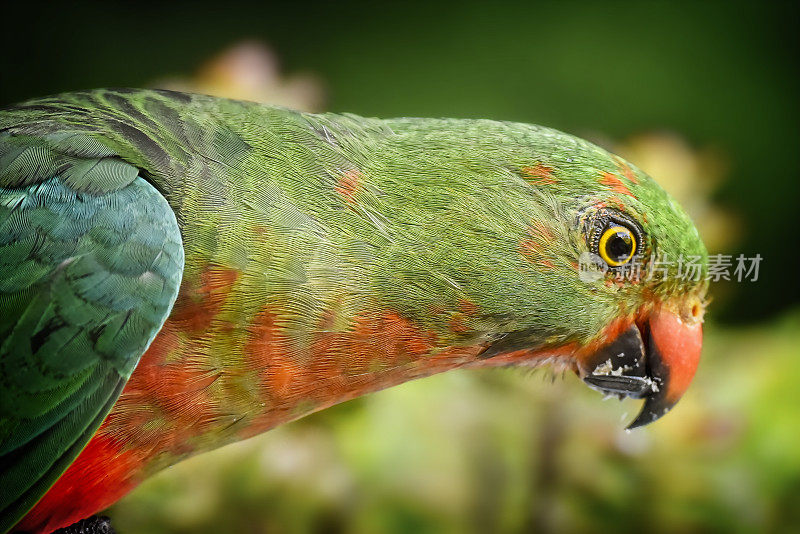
pixel 642 248
pixel 589 264
pixel 620 273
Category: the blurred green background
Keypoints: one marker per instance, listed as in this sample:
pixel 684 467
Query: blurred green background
pixel 703 95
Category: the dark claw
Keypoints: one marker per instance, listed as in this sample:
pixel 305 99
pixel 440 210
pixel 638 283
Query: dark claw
pixel 96 524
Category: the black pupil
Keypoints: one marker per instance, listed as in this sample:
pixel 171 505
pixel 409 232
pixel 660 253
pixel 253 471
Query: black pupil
pixel 619 246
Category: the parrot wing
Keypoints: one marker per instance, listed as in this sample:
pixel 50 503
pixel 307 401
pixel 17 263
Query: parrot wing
pixel 91 260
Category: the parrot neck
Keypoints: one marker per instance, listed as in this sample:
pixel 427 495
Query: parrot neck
pixel 216 374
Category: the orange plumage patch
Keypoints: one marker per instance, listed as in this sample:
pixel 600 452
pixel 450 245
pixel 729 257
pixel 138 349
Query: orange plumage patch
pixel 535 247
pixel 348 184
pixel 610 180
pixel 466 309
pixel 340 364
pixel 199 304
pixel 265 348
pixel 539 174
pixel 458 323
pixel 177 389
pixel 617 203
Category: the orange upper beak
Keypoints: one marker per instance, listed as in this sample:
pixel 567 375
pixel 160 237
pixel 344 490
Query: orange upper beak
pixel 655 360
pixel 673 354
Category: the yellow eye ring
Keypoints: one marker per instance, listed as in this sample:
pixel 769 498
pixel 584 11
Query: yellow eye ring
pixel 617 246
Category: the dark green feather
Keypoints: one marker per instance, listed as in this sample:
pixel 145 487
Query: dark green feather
pixel 90 263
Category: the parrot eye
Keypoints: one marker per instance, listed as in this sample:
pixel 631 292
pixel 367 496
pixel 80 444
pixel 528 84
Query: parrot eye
pixel 617 246
pixel 614 236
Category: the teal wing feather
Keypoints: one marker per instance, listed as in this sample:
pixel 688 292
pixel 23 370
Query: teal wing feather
pixel 91 260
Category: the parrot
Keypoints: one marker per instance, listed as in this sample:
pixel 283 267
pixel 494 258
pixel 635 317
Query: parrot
pixel 179 272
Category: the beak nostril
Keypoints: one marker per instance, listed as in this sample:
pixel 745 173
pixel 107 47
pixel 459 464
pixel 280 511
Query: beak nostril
pixel 696 311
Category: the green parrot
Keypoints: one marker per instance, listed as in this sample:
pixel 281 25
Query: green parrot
pixel 179 272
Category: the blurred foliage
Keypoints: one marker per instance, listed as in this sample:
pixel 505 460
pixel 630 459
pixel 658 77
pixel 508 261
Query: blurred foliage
pixel 701 95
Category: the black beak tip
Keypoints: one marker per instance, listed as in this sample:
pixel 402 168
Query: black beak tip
pixel 655 407
pixel 643 419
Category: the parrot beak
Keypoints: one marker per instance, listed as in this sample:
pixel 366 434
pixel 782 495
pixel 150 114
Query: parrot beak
pixel 654 360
